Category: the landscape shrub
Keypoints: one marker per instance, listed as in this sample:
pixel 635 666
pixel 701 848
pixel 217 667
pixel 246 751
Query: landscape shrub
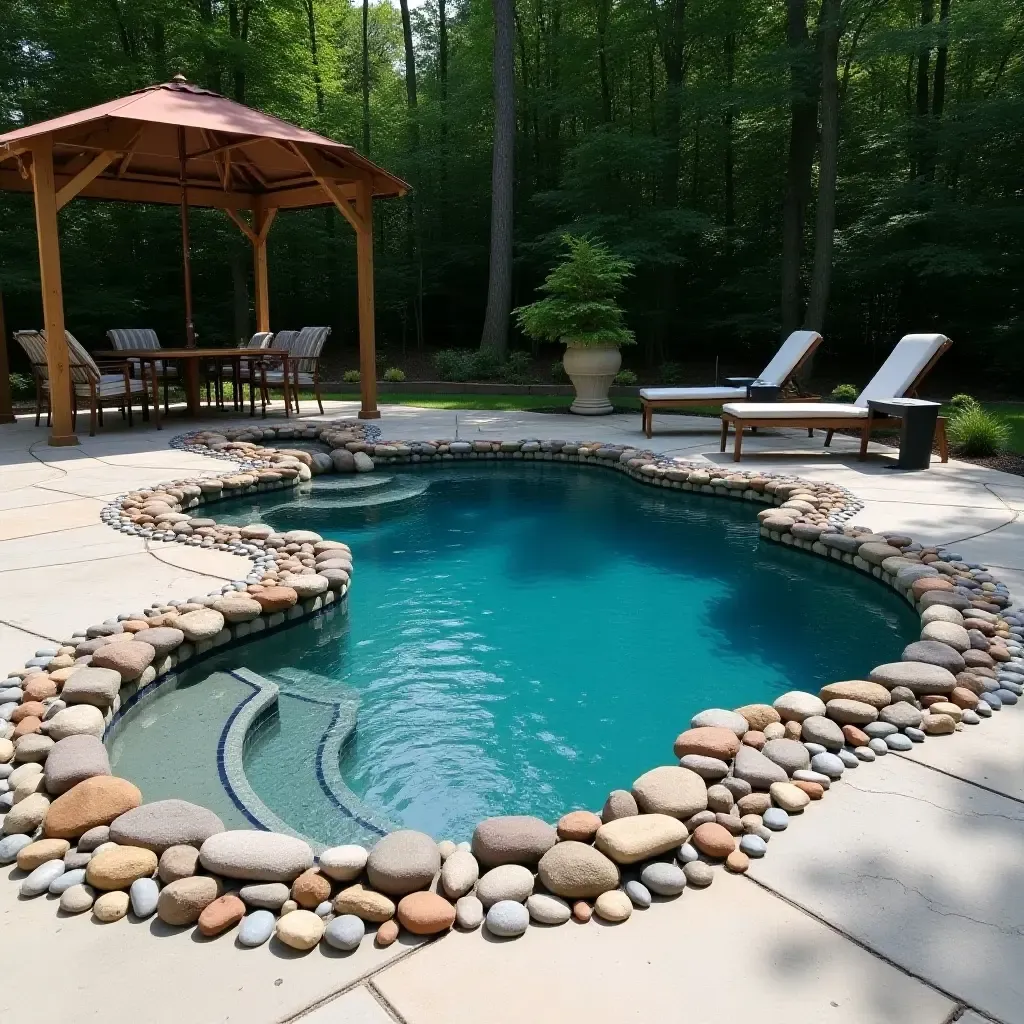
pixel 844 393
pixel 394 374
pixel 351 376
pixel 975 432
pixel 626 378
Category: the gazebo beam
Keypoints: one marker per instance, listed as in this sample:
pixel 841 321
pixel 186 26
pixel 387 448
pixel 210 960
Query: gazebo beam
pixel 45 194
pixel 262 219
pixel 364 270
pixel 93 169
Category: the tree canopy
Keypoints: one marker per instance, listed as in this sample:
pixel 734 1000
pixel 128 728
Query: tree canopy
pixel 712 143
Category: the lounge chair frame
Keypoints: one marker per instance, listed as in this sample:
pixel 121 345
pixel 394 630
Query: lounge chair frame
pixel 790 386
pixel 870 423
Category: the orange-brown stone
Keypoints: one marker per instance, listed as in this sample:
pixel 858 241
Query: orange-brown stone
pixel 755 738
pixel 854 736
pixel 29 724
pixel 276 599
pixel 95 801
pixel 29 709
pixel 814 790
pixel 713 839
pixel 963 697
pixel 220 915
pixel 580 826
pixel 927 583
pixel 310 889
pixel 425 913
pixel 708 741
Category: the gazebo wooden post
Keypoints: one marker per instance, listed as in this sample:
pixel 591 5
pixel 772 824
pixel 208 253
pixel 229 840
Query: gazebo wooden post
pixel 44 193
pixel 262 218
pixel 364 271
pixel 6 408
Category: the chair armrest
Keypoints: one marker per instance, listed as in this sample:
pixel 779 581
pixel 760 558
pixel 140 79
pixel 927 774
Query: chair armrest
pixel 114 365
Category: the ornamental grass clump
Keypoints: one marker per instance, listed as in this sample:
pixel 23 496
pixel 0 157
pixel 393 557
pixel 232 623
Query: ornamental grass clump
pixel 974 431
pixel 844 393
pixel 579 307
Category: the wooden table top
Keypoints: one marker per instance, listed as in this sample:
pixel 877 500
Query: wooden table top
pixel 189 353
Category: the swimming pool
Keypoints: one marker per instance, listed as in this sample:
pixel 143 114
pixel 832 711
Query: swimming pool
pixel 521 639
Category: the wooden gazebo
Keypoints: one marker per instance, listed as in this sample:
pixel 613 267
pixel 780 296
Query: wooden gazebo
pixel 181 145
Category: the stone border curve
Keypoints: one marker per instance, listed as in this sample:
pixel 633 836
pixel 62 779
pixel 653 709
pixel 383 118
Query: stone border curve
pixel 76 831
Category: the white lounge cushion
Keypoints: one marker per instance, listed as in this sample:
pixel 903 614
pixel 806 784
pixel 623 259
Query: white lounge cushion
pixel 794 411
pixel 785 361
pixel 897 374
pixel 712 394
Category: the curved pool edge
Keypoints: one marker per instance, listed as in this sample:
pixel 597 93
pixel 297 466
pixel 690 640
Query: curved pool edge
pixel 798 527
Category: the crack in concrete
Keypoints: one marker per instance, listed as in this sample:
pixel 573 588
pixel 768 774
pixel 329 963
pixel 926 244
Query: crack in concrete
pixel 936 908
pixel 1018 819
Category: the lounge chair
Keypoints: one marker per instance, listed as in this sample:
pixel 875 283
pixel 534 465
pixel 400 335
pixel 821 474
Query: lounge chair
pixel 304 350
pixel 143 338
pixel 115 387
pixel 785 364
pixel 899 376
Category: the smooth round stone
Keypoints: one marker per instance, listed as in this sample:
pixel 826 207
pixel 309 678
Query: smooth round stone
pixel 144 894
pixel 791 755
pixel 256 928
pixel 507 919
pixel 41 878
pixel 10 846
pixel 469 913
pixel 969 717
pixel 324 909
pixel 775 819
pixel 719 718
pixel 848 758
pixel 639 893
pixel 505 882
pixel 546 909
pixel 711 769
pixel 992 700
pixel 828 764
pixel 900 742
pixel 663 878
pixel 699 874
pixel 63 882
pixel 614 906
pixel 753 846
pixel 345 932
pixel 815 748
pixel 111 906
pixel 916 735
pixel 78 899
pixel 866 753
pixel 796 706
pixel 819 729
pixel 301 929
pixel 687 854
pixel 811 776
pixel 1007 696
pixel 879 730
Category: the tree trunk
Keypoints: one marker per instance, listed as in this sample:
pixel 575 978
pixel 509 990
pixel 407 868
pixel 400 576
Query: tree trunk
pixel 211 71
pixel 413 210
pixel 727 118
pixel 828 165
pixel 314 55
pixel 803 126
pixel 238 26
pixel 941 59
pixel 366 78
pixel 920 161
pixel 499 283
pixel 673 54
pixel 603 8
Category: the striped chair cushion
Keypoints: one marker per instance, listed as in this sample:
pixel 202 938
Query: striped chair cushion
pixel 277 377
pixel 110 385
pixel 139 338
pixel 308 344
pixel 34 346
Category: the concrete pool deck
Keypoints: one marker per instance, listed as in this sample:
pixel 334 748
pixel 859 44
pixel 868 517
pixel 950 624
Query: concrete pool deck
pixel 898 900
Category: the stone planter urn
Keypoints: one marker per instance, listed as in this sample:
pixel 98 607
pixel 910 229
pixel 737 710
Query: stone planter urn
pixel 592 369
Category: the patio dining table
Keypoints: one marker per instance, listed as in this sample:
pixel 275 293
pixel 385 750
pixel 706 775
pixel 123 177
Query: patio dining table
pixel 190 359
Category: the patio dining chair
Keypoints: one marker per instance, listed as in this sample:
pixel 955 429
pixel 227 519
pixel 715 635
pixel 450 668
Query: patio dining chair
pixel 304 348
pixel 143 338
pixel 239 371
pixel 117 386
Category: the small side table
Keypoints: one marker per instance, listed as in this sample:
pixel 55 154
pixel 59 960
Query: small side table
pixel 917 431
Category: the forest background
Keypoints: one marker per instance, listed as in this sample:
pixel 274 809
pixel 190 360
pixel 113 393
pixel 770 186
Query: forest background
pixel 855 166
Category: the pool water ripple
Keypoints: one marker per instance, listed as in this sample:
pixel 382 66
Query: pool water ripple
pixel 524 638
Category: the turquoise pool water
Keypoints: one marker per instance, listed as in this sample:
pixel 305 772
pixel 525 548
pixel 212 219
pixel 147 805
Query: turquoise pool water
pixel 521 639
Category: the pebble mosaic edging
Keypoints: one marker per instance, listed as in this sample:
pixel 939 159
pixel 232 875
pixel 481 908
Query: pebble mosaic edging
pixel 740 775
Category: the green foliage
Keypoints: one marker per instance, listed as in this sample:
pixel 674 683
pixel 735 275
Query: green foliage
pixel 962 401
pixel 558 374
pixel 671 374
pixel 626 378
pixel 463 364
pixel 22 386
pixel 976 432
pixel 394 374
pixel 351 376
pixel 517 369
pixel 844 393
pixel 580 306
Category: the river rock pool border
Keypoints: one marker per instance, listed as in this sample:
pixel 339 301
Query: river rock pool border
pixel 738 775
